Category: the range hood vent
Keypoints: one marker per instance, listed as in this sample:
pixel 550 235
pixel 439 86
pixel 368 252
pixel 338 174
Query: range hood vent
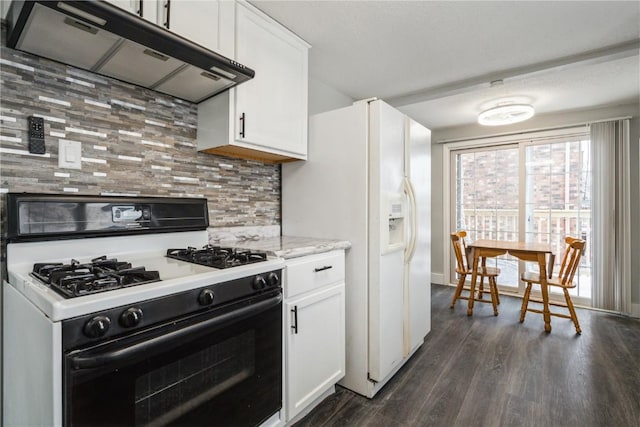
pixel 100 37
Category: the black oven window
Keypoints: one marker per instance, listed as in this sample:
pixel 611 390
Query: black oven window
pixel 164 395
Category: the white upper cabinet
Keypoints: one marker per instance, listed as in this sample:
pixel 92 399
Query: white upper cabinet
pixel 274 103
pixel 132 6
pixel 266 117
pixel 208 23
pixel 148 9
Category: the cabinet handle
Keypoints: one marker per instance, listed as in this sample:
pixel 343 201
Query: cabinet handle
pixel 167 13
pixel 242 122
pixel 294 310
pixel 326 267
pixel 140 5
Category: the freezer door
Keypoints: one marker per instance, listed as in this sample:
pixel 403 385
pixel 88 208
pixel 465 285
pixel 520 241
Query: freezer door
pixel 418 269
pixel 386 268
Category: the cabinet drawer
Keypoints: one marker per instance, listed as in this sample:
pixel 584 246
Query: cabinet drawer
pixel 314 271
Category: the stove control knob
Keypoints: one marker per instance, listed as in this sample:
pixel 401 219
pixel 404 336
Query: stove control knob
pixel 206 297
pixel 259 282
pixel 97 326
pixel 273 279
pixel 131 317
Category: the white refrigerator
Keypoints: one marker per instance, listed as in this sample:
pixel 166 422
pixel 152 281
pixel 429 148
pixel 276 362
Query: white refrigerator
pixel 367 180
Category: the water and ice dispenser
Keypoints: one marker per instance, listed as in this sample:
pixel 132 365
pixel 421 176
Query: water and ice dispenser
pixel 392 222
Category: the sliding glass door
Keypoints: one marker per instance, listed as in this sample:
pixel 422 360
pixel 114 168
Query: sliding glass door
pixel 487 200
pixel 557 201
pixel 531 190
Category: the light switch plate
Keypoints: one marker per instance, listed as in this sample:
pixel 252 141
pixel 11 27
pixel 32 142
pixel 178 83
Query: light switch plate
pixel 69 154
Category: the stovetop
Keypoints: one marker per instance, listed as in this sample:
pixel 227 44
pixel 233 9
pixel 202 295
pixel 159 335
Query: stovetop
pixel 102 274
pixel 148 251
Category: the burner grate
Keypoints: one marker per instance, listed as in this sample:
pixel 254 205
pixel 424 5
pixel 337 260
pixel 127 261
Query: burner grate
pixel 217 256
pixel 100 275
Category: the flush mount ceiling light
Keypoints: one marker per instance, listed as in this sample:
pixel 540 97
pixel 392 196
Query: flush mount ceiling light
pixel 506 114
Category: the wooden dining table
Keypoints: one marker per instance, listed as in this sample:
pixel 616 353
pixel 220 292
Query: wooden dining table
pixel 525 251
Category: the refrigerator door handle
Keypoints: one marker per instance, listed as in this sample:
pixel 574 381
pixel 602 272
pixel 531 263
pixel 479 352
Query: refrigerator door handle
pixel 414 217
pixel 411 245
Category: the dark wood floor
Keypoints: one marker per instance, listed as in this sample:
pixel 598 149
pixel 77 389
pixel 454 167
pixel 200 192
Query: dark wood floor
pixel 493 371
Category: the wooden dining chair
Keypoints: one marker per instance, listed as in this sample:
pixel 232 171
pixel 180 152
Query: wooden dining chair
pixel 464 266
pixel 570 261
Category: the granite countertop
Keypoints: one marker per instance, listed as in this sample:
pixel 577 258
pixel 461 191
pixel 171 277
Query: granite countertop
pixel 292 246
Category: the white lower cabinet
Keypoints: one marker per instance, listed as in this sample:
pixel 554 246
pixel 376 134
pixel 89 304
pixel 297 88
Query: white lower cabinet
pixel 314 329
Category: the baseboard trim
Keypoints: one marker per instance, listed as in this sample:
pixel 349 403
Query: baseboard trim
pixel 437 278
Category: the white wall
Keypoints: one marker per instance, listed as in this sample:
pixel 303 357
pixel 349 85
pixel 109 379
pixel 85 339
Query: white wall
pixel 323 97
pixel 537 123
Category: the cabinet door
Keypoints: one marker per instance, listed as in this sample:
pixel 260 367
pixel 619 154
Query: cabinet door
pixel 145 8
pixel 132 6
pixel 315 332
pixel 198 21
pixel 273 105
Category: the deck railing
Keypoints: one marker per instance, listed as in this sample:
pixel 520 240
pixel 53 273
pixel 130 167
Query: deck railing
pixel 548 226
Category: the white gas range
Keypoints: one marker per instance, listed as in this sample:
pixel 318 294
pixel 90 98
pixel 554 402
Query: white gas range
pixel 126 293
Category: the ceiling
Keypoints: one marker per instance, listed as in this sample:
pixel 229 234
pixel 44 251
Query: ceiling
pixel 435 60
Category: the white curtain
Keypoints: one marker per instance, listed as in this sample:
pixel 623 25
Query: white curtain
pixel 611 216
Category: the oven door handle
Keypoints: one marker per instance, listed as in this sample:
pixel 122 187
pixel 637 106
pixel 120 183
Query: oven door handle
pixel 162 342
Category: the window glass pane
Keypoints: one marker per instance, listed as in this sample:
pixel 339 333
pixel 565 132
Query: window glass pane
pixel 486 200
pixel 559 199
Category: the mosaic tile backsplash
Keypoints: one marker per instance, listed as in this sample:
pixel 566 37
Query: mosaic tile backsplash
pixel 134 142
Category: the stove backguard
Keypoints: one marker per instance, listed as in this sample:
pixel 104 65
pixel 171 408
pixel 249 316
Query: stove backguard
pixel 33 217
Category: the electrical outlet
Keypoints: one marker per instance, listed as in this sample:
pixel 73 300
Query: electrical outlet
pixel 36 135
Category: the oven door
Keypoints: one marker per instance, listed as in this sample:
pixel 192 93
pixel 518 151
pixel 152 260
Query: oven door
pixel 218 368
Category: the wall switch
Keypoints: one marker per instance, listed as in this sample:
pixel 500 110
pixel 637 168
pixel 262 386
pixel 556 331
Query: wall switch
pixel 36 135
pixel 69 154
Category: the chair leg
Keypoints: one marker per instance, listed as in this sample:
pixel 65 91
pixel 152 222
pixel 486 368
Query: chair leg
pixel 497 293
pixel 481 288
pixel 494 292
pixel 525 302
pixel 456 295
pixel 572 310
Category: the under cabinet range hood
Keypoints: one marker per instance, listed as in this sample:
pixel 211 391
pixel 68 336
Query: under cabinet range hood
pixel 102 38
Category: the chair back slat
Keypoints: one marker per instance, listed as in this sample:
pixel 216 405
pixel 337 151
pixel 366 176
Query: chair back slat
pixel 571 260
pixel 568 240
pixel 457 239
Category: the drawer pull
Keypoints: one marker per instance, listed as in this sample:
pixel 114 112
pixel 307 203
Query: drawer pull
pixel 326 267
pixel 294 310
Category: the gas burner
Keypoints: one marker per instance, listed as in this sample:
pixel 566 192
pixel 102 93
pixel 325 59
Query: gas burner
pixel 217 256
pixel 100 275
